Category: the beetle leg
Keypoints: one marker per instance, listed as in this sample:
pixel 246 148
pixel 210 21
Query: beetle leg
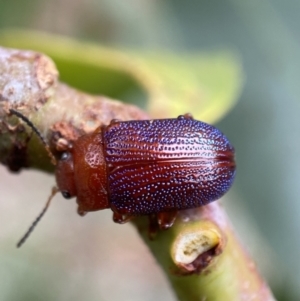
pixel 162 221
pixel 121 218
pixel 113 121
pixel 81 212
pixel 188 116
pixel 153 226
pixel 166 220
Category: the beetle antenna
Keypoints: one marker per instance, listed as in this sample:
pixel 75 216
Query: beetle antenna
pixel 32 126
pixel 31 228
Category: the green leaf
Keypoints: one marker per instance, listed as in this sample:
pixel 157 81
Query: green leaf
pixel 204 84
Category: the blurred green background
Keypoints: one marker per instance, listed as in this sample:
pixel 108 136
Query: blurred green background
pixel 70 258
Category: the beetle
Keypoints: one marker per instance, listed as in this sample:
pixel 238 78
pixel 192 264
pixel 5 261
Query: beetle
pixel 145 167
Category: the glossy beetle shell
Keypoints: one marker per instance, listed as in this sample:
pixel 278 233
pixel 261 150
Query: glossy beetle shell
pixel 164 165
pixel 147 167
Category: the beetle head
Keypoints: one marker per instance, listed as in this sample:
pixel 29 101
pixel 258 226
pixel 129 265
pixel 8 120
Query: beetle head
pixel 81 172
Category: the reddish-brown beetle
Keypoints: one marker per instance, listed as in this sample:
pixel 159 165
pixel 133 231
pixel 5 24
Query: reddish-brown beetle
pixel 147 167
